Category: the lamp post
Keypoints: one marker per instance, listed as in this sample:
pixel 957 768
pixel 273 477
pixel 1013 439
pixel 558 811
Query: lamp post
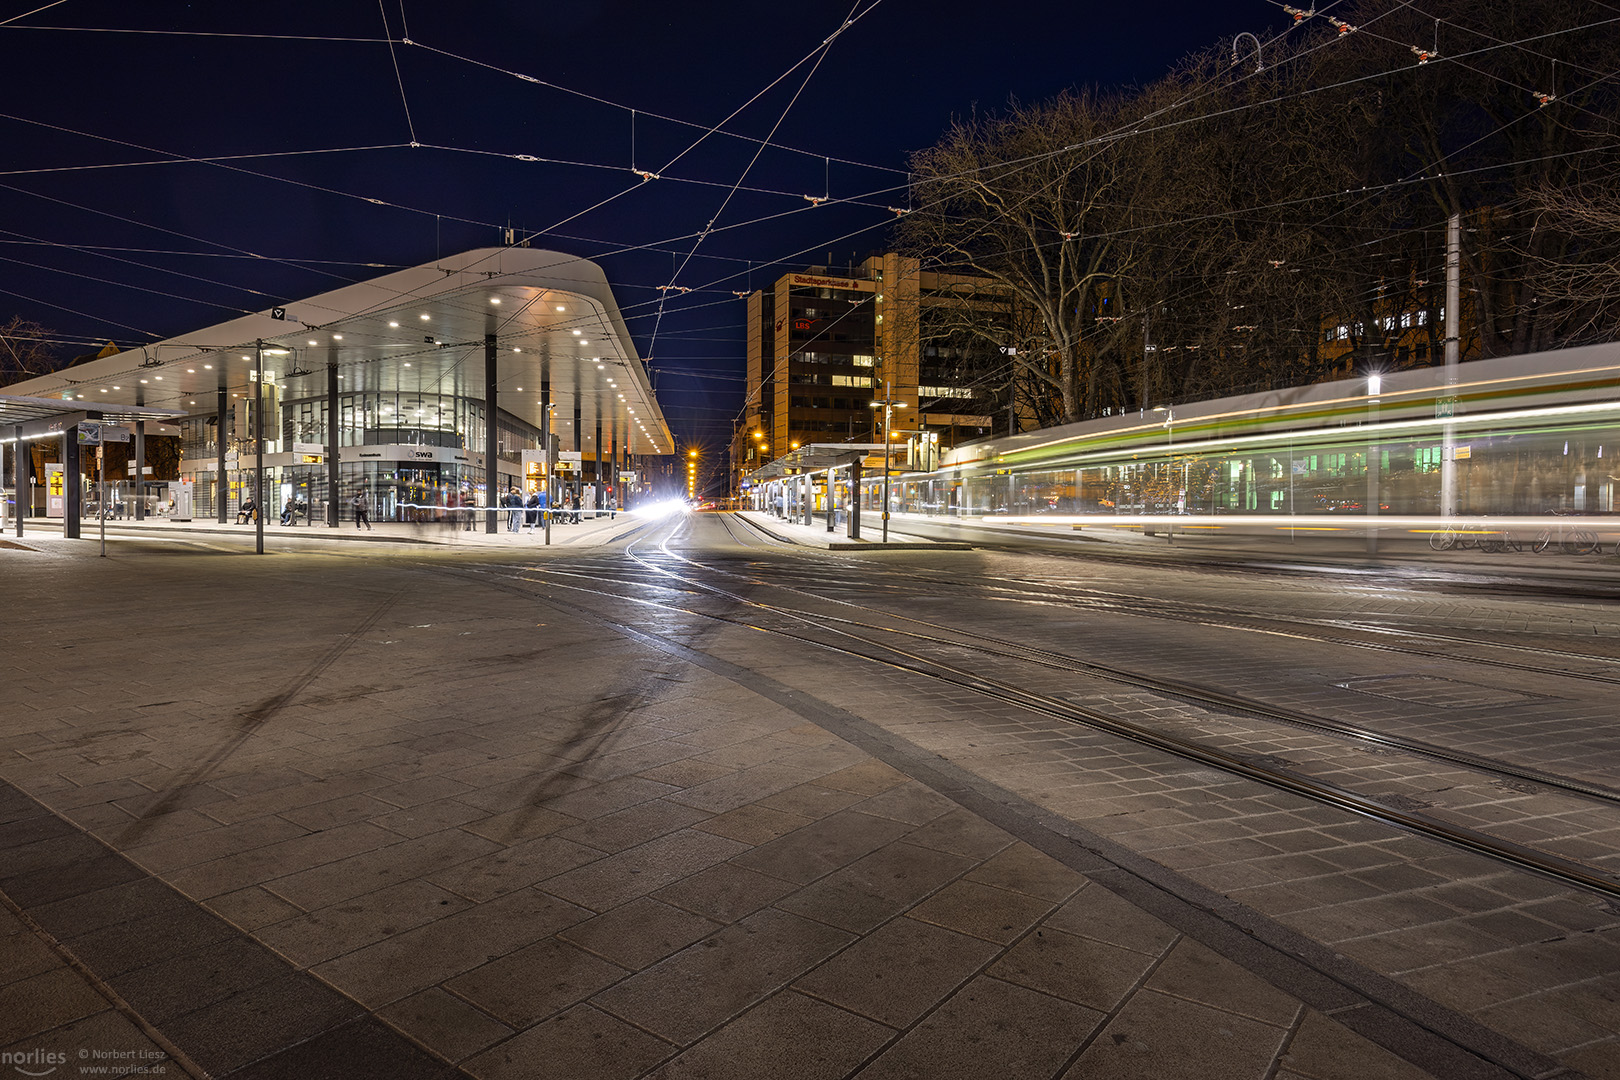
pixel 888 406
pixel 1375 384
pixel 1169 446
pixel 259 353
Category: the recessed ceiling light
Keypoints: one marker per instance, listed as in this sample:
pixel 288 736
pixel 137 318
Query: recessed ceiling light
pixel 407 364
pixel 208 367
pixel 424 318
pixel 118 388
pixel 337 337
pixel 312 341
pixel 559 307
pixel 143 383
pixel 520 388
pixel 584 343
pixel 394 325
pixel 516 349
pixel 495 300
pixel 191 370
pixel 103 389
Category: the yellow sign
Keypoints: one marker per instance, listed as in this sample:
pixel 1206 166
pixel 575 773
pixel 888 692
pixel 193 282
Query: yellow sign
pixel 1463 452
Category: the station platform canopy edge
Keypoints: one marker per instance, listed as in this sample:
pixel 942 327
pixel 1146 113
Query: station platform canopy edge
pixel 815 457
pixel 420 331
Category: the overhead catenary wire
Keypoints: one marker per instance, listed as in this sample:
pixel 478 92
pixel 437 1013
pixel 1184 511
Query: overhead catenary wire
pixel 625 248
pixel 398 75
pixel 849 20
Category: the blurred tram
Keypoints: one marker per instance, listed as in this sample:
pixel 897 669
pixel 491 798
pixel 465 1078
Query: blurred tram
pixel 1516 440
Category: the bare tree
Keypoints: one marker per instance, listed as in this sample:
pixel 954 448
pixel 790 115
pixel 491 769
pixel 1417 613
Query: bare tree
pixel 1577 273
pixel 1025 199
pixel 25 351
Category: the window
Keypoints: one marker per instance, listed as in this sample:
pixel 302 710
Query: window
pixel 852 380
pixel 944 392
pixel 861 360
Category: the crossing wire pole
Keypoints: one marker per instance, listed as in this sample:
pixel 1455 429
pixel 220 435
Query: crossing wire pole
pixel 1448 445
pixel 258 446
pixel 101 497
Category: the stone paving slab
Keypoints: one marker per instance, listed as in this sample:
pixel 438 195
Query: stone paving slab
pixel 615 866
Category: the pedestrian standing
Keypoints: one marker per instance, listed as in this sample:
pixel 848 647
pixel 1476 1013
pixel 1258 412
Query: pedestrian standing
pixel 514 510
pixel 531 513
pixel 362 511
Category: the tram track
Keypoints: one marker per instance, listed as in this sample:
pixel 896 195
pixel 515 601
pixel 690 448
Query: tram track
pixel 1568 871
pixel 1051 593
pixel 1186 693
pixel 1439 574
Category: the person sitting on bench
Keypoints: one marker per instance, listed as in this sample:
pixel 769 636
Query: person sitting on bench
pixel 248 511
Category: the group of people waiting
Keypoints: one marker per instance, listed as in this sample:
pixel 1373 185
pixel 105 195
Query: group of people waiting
pixel 535 511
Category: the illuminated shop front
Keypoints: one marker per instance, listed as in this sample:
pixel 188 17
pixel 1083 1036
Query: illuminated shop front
pixel 383 388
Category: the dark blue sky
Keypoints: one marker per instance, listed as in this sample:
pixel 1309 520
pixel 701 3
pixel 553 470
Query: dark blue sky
pixel 96 248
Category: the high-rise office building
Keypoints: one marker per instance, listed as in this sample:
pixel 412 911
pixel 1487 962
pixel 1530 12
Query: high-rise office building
pixel 826 343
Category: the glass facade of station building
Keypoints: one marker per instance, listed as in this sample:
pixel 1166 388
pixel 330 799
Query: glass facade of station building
pixel 384 388
pixel 416 455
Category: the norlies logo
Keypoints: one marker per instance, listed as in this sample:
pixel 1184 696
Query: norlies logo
pixel 22 1059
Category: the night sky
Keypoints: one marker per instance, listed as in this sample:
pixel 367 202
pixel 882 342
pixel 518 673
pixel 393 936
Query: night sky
pixel 111 228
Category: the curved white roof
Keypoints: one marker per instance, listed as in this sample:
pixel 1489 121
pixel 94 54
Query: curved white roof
pixel 420 330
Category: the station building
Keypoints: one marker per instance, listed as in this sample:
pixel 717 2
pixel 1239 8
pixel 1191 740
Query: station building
pixel 416 388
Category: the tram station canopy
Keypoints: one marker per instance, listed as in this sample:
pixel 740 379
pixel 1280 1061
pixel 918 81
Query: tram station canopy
pixel 424 329
pixel 36 414
pixel 815 457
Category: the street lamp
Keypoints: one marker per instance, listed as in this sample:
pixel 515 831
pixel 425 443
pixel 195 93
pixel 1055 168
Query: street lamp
pixel 1375 385
pixel 888 406
pixel 259 353
pixel 1169 445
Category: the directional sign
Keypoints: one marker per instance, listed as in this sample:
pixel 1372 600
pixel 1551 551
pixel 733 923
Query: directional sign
pixel 89 433
pixel 114 434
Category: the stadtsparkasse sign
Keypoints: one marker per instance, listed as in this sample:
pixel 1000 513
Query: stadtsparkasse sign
pixel 825 282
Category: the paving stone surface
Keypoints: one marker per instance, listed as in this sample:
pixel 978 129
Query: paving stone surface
pixel 426 813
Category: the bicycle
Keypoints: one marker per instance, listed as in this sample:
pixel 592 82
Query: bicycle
pixel 1577 542
pixel 1443 539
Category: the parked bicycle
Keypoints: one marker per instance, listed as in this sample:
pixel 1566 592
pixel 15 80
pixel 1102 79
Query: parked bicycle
pixel 1567 541
pixel 1560 539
